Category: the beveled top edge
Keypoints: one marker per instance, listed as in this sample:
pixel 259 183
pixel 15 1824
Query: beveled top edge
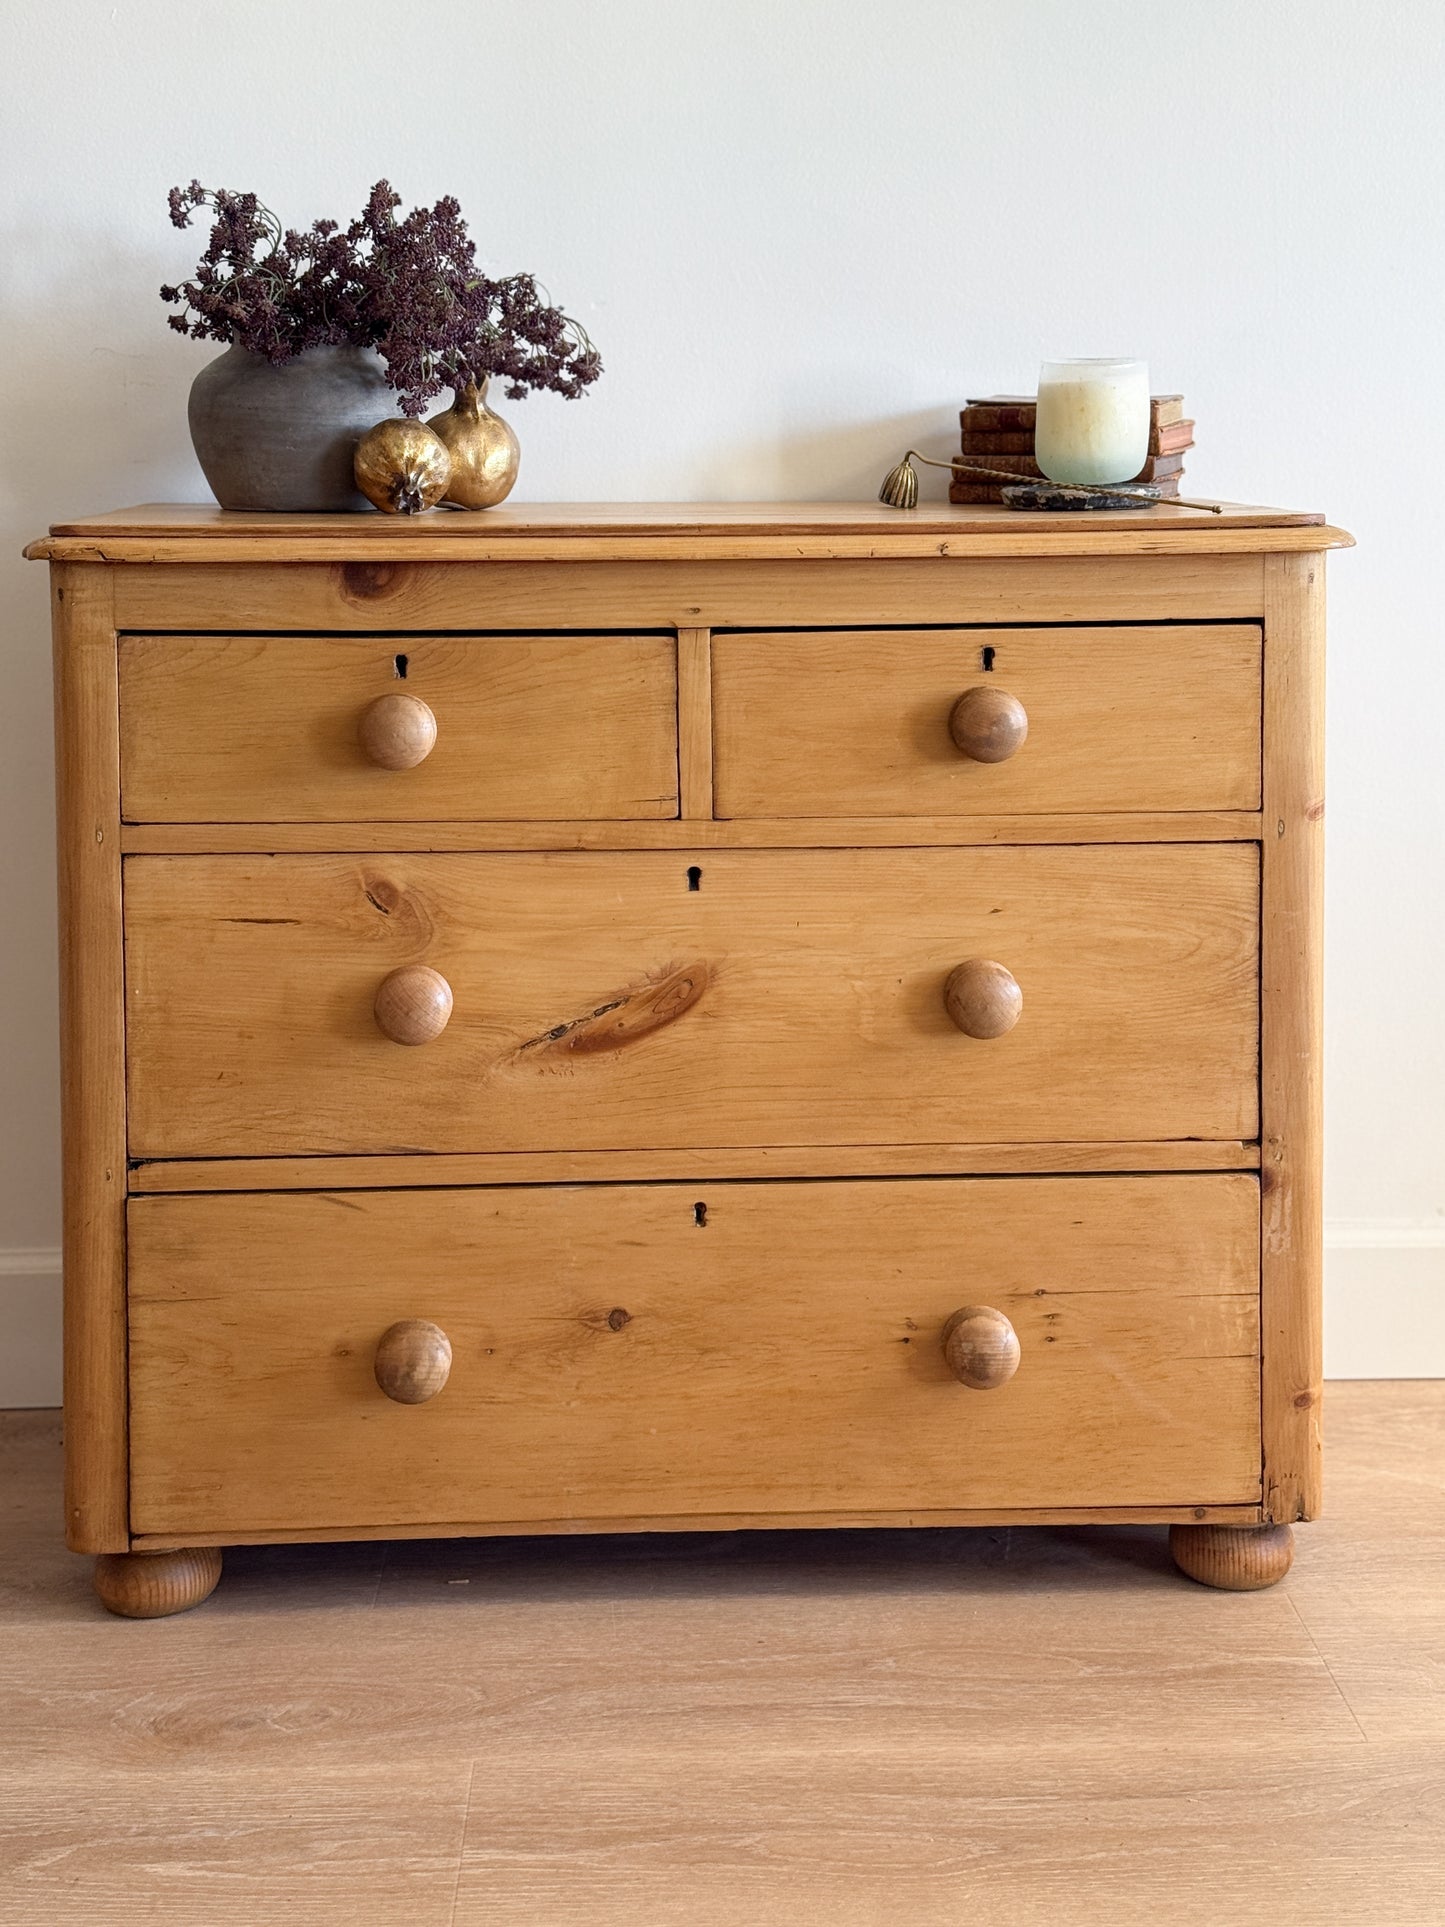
pixel 559 531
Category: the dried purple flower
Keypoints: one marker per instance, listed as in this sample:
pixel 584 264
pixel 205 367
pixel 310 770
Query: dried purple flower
pixel 409 288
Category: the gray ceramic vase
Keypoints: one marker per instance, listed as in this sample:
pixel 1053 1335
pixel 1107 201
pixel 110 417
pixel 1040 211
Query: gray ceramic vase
pixel 271 437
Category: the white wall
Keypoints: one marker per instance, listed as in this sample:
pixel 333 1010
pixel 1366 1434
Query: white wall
pixel 801 232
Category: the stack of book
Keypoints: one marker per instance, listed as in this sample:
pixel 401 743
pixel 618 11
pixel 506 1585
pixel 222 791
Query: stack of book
pixel 998 431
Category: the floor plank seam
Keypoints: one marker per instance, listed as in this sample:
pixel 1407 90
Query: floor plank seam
pixel 462 1843
pixel 383 1566
pixel 1344 1697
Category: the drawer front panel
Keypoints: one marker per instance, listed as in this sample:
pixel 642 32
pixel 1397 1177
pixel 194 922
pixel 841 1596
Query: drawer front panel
pixel 858 724
pixel 614 1356
pixel 626 1001
pixel 227 729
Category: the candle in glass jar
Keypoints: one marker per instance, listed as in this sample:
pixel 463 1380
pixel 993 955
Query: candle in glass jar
pixel 1092 424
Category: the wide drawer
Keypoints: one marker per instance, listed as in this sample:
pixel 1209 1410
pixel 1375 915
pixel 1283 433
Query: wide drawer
pixel 224 729
pixel 857 723
pixel 664 1351
pixel 613 1001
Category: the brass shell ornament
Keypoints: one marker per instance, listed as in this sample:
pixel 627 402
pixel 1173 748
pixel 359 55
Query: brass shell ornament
pixel 900 485
pixel 485 454
pixel 402 467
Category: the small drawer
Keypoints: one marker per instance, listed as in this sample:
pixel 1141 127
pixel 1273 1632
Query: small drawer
pixel 328 729
pixel 973 721
pixel 631 1351
pixel 628 1000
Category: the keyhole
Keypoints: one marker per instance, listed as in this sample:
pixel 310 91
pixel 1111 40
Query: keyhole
pixel 699 1214
pixel 398 664
pixel 694 882
pixel 988 656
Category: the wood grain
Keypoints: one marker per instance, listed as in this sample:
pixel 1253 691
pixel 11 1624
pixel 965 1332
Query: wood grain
pixel 232 728
pixel 694 721
pixel 425 546
pixel 396 731
pixel 372 595
pixel 1230 1559
pixel 92 1051
pixel 982 998
pixel 413 1361
pixel 627 1351
pixel 648 997
pixel 153 1585
pixel 755 1161
pixel 981 1347
pixel 888 1518
pixel 161 533
pixel 858 724
pixel 737 1730
pixel 328 1845
pixel 818 833
pixel 988 724
pixel 413 1004
pixel 1103 1833
pixel 203 520
pixel 1292 1036
pixel 602 1003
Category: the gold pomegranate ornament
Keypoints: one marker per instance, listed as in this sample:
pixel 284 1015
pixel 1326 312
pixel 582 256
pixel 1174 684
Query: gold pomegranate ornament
pixel 485 453
pixel 402 467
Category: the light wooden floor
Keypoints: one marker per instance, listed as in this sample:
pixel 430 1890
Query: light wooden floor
pixel 992 1728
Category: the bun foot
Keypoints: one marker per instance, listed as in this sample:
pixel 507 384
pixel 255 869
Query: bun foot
pixel 148 1585
pixel 1234 1558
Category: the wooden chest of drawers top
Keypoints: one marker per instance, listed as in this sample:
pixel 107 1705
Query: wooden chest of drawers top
pixel 687 821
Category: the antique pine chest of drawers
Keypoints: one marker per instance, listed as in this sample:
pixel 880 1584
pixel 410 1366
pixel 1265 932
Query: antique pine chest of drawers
pixel 594 1020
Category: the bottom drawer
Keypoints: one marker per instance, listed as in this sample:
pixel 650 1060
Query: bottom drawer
pixel 656 1350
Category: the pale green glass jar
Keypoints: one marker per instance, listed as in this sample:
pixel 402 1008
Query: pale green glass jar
pixel 1092 424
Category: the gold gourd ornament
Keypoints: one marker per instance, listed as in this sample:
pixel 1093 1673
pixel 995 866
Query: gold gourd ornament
pixel 484 451
pixel 402 467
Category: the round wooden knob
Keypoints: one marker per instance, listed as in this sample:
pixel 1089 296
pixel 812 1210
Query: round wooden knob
pixel 981 1346
pixel 413 1361
pixel 413 1004
pixel 983 998
pixel 397 731
pixel 988 724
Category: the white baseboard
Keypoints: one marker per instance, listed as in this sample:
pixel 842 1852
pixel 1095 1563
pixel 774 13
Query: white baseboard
pixel 1385 1298
pixel 1384 1307
pixel 29 1326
